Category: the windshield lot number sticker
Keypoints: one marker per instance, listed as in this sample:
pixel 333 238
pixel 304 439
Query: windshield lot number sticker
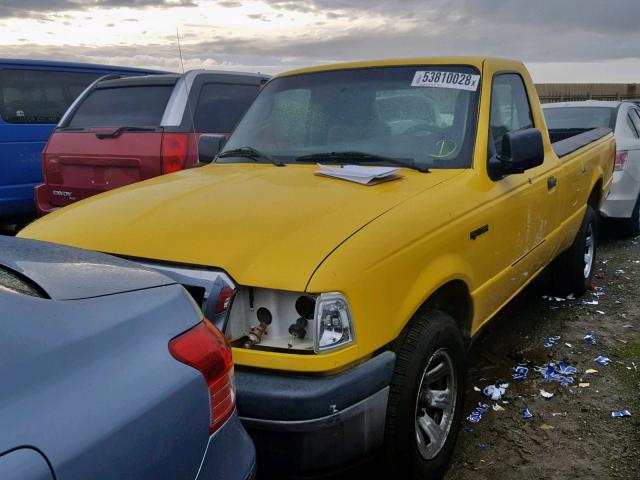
pixel 460 81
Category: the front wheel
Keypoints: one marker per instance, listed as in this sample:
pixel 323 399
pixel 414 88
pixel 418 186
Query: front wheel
pixel 573 270
pixel 426 397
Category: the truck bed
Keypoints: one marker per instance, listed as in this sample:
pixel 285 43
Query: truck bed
pixel 567 140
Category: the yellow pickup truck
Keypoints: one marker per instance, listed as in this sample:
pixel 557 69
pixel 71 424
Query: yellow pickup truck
pixel 350 307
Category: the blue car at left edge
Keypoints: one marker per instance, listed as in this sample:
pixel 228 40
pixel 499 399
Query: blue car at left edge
pixel 108 371
pixel 34 94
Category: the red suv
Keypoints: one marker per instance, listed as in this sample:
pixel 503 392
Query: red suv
pixel 121 130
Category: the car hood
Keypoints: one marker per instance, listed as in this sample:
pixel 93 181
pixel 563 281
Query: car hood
pixel 266 226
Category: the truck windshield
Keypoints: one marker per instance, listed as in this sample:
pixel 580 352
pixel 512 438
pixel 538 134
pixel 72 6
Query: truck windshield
pixel 424 115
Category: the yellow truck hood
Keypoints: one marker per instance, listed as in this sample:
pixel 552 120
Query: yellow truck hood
pixel 266 226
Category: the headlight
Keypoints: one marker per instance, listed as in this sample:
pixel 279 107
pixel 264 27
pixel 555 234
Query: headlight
pixel 276 320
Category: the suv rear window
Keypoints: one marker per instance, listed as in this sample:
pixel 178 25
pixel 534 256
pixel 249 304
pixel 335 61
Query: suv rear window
pixel 221 105
pixel 123 106
pixel 39 97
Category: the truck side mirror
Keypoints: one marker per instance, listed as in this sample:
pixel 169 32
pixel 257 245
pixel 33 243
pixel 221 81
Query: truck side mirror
pixel 521 151
pixel 209 146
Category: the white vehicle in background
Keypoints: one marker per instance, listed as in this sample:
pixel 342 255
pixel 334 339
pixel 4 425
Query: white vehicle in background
pixel 623 118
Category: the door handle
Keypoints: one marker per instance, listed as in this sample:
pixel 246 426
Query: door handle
pixel 551 183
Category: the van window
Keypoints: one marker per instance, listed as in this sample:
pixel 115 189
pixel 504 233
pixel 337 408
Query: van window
pixel 221 105
pixel 138 106
pixel 510 110
pixel 40 97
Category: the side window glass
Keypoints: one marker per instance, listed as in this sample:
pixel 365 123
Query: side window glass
pixel 635 120
pixel 510 109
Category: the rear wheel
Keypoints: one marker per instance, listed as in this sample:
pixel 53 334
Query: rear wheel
pixel 573 270
pixel 425 402
pixel 633 223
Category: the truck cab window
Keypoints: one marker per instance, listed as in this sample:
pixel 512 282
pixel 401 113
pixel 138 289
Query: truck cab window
pixel 510 109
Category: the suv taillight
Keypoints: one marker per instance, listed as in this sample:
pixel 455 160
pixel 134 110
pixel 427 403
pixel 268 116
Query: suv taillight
pixel 206 349
pixel 621 158
pixel 175 148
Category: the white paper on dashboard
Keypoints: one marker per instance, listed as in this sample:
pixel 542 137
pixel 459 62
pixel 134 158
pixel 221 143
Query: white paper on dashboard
pixel 358 173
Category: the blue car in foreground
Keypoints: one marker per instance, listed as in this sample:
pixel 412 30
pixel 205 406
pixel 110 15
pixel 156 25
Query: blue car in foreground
pixel 34 94
pixel 107 371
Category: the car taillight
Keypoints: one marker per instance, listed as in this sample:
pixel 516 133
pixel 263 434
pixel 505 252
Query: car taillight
pixel 206 349
pixel 175 148
pixel 621 158
pixel 224 298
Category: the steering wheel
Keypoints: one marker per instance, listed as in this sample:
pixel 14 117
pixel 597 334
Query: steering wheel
pixel 423 127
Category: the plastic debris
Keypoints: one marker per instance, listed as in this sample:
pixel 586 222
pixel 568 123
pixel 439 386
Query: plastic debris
pixel 628 325
pixel 600 312
pixel 571 296
pixel 621 413
pixel 495 392
pixel 551 299
pixel 476 415
pixel 589 302
pixel 598 291
pixel 468 429
pixel 527 413
pixel 591 371
pixel 476 389
pixel 483 445
pixel 602 360
pixel 584 384
pixel 551 341
pixel 568 345
pixel 620 272
pixel 590 339
pixel 545 394
pixel 558 372
pixel 498 408
pixel 520 373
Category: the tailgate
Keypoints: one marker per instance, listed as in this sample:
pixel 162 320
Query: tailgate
pixel 79 164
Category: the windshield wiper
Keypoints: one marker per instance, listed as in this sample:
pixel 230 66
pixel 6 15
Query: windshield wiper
pixel 346 157
pixel 251 153
pixel 119 130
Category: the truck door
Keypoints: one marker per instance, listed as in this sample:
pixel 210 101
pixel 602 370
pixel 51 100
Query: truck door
pixel 526 205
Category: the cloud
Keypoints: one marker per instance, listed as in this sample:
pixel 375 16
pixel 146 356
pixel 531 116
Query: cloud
pixel 42 8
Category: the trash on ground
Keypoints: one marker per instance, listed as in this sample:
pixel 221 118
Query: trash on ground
pixel 527 413
pixel 621 413
pixel 495 392
pixel 568 345
pixel 598 291
pixel 602 360
pixel 551 341
pixel 476 415
pixel 520 373
pixel 545 394
pixel 589 302
pixel 483 445
pixel 468 429
pixel 591 371
pixel 498 408
pixel 558 373
pixel 590 339
pixel 477 389
pixel 600 312
pixel 584 384
pixel 551 299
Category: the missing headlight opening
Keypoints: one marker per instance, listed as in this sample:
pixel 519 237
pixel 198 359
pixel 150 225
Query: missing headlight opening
pixel 275 320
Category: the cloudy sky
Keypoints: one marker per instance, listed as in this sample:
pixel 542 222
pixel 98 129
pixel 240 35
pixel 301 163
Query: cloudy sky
pixel 560 40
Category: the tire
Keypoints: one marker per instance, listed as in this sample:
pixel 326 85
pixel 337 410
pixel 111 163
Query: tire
pixel 573 270
pixel 431 339
pixel 633 223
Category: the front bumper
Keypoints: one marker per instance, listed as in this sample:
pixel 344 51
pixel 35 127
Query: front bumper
pixel 623 197
pixel 304 426
pixel 230 454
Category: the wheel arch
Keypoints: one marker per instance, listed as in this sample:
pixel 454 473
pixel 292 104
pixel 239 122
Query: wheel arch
pixel 595 196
